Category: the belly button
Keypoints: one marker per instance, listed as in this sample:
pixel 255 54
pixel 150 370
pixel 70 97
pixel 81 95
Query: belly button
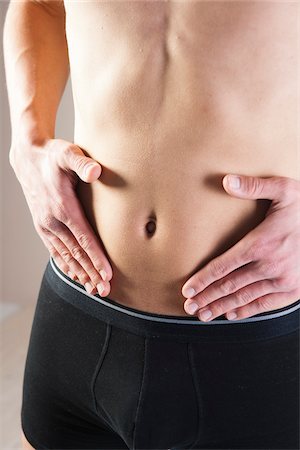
pixel 150 227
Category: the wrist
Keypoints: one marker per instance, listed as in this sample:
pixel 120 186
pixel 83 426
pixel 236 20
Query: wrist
pixel 29 131
pixel 27 139
pixel 25 143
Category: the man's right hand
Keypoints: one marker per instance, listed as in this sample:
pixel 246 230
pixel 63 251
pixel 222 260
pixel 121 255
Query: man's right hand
pixel 48 175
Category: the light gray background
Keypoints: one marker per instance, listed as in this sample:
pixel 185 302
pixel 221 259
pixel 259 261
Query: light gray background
pixel 23 254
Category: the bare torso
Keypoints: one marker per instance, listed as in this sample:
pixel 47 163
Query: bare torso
pixel 169 97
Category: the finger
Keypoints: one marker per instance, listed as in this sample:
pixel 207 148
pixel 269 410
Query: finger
pixel 58 259
pixel 271 188
pixel 63 266
pixel 269 302
pixel 67 257
pixel 240 298
pixel 233 282
pixel 87 239
pixel 72 157
pixel 70 256
pixel 74 256
pixel 75 250
pixel 234 258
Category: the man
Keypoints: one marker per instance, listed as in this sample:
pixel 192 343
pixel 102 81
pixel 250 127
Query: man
pixel 169 98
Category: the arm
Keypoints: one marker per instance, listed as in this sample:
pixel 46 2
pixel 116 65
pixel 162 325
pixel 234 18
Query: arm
pixel 37 69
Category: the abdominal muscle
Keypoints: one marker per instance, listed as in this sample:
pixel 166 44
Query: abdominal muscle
pixel 192 217
pixel 165 134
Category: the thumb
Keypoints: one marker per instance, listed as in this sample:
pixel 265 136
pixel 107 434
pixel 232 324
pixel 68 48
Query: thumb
pixel 85 167
pixel 243 186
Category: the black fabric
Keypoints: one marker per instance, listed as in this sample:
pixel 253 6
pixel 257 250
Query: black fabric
pixel 98 378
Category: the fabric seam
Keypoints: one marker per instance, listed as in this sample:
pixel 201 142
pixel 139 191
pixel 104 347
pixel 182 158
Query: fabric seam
pixel 99 365
pixel 140 395
pixel 198 394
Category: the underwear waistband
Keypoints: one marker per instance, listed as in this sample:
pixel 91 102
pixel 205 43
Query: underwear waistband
pixel 264 325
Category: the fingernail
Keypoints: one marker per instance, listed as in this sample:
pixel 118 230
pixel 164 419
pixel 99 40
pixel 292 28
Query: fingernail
pixel 234 182
pixel 191 308
pixel 88 286
pixel 103 274
pixel 204 315
pixel 88 167
pixel 189 292
pixel 231 316
pixel 101 288
pixel 71 275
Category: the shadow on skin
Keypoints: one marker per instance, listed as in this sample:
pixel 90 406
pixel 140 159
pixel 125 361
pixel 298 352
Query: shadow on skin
pixel 243 227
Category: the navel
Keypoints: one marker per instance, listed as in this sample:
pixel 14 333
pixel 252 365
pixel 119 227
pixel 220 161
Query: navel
pixel 150 227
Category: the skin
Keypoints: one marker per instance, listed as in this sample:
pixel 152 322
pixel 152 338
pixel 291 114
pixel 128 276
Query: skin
pixel 166 137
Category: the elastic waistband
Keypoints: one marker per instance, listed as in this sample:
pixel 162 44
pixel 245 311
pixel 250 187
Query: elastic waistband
pixel 264 325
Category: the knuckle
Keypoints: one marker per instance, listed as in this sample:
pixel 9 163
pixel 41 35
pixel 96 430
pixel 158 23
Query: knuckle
pixel 198 285
pixel 80 162
pixel 243 297
pixel 227 287
pixel 60 212
pixel 68 150
pixel 265 303
pixel 285 186
pixel 257 249
pixel 198 282
pixel 83 276
pixel 83 240
pixel 218 268
pixel 255 186
pixel 52 251
pixel 64 154
pixel 78 253
pixel 74 155
pixel 42 228
pixel 48 222
pixel 95 279
pixel 286 282
pixel 218 309
pixel 56 226
pixel 279 283
pixel 202 298
pixel 268 268
pixel 66 255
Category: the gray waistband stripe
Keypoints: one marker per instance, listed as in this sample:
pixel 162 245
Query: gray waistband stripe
pixel 162 319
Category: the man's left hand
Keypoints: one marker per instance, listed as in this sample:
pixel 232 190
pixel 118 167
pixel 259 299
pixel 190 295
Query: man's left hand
pixel 261 272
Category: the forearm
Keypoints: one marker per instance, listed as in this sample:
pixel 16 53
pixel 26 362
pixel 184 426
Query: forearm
pixel 36 67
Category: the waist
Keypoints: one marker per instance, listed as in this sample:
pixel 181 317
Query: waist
pixel 154 246
pixel 175 192
pixel 262 326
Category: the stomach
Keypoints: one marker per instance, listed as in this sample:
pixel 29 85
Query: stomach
pixel 166 131
pixel 176 185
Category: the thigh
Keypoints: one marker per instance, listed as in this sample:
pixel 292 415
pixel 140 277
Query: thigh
pixel 58 404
